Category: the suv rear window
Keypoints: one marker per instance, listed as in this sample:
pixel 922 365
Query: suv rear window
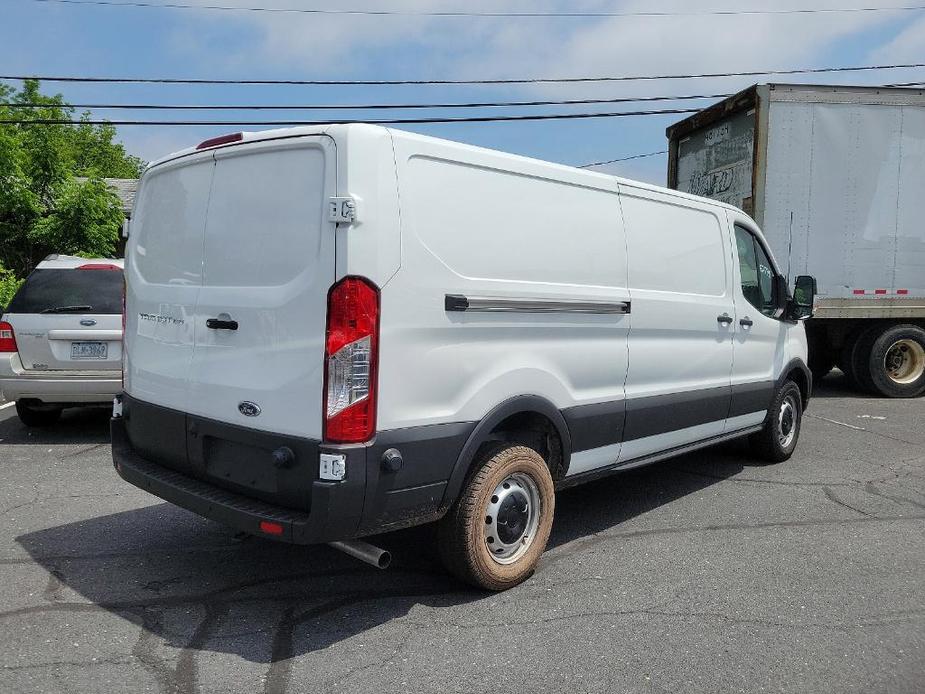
pixel 64 291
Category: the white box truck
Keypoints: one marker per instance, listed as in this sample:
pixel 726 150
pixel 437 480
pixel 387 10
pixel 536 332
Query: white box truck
pixel 835 177
pixel 334 332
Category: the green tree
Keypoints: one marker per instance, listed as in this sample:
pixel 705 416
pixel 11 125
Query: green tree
pixel 43 207
pixel 9 283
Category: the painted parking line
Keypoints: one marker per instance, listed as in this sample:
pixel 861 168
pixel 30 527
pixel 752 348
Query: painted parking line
pixel 9 404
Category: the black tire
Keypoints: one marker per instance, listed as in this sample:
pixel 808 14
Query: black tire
pixel 822 356
pixel 464 539
pixel 777 441
pixel 851 359
pixel 821 362
pixel 844 363
pixel 37 416
pixel 891 361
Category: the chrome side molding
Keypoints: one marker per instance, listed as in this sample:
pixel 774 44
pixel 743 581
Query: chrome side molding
pixel 461 303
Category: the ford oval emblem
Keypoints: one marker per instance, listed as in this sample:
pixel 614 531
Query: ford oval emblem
pixel 249 409
pixel 88 322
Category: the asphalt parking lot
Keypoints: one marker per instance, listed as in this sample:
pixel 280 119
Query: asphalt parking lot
pixel 708 573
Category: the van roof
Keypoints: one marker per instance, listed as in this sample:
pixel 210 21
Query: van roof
pixel 342 130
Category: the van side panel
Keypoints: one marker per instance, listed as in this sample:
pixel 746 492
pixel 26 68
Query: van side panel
pixel 504 231
pixel 680 354
pixel 472 228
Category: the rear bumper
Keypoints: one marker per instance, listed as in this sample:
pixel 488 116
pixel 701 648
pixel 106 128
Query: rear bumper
pixel 328 520
pixel 206 466
pixel 17 383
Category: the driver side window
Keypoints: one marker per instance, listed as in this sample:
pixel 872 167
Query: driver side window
pixel 756 272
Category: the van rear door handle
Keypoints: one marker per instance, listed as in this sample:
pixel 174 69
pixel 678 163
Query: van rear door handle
pixel 746 322
pixel 220 324
pixel 725 319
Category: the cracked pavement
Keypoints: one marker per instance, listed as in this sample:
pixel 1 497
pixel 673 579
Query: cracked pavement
pixel 707 573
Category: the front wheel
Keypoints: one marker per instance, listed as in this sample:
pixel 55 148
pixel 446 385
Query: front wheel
pixel 777 441
pixel 498 528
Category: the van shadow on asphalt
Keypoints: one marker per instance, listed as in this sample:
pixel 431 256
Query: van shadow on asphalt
pixel 199 587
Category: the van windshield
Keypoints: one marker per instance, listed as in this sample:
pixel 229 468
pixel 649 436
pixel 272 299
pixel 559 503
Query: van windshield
pixel 70 291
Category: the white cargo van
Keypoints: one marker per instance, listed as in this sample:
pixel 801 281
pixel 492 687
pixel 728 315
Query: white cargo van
pixel 335 332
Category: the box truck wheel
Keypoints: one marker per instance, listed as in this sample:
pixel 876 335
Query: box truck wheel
pixel 850 360
pixel 891 361
pixel 496 531
pixel 37 415
pixel 777 441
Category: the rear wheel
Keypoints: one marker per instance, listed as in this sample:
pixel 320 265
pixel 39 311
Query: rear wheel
pixel 891 361
pixel 37 415
pixel 777 441
pixel 495 533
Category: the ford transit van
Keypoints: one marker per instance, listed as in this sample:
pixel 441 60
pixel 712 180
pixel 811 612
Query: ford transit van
pixel 335 332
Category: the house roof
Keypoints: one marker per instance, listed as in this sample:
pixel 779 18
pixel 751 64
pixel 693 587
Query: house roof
pixel 125 188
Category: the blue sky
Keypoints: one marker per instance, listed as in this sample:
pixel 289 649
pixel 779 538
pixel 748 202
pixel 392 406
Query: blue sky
pixel 42 38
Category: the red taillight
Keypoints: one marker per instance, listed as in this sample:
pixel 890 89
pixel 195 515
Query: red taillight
pixel 221 140
pixel 351 355
pixel 7 338
pixel 271 528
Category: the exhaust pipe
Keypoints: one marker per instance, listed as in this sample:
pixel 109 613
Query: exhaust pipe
pixel 364 551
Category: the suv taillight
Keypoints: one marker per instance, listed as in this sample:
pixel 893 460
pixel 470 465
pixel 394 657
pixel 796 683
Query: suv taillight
pixel 351 355
pixel 7 338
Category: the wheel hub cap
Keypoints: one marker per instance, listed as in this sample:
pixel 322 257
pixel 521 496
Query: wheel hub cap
pixel 905 362
pixel 786 421
pixel 511 518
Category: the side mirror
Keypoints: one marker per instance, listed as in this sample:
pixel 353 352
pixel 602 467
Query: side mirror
pixel 804 297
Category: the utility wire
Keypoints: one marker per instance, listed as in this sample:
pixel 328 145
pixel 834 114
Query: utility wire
pixel 535 80
pixel 366 107
pixel 496 15
pixel 630 158
pixel 391 121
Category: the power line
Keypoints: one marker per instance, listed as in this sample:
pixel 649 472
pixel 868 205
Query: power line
pixel 630 158
pixel 391 121
pixel 495 15
pixel 533 80
pixel 365 107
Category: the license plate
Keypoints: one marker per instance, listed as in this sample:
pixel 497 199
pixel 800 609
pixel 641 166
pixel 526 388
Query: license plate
pixel 89 350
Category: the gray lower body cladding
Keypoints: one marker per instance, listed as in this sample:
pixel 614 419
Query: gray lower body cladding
pixel 227 473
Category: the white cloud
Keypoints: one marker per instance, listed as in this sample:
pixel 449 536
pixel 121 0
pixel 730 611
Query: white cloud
pixel 355 46
pixel 508 47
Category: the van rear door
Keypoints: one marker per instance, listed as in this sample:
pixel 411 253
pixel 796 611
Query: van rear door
pixel 163 271
pixel 267 265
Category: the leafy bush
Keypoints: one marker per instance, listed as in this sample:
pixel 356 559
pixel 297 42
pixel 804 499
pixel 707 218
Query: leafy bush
pixel 9 284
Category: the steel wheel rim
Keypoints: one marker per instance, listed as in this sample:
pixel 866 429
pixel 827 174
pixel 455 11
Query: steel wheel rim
pixel 511 518
pixel 904 362
pixel 787 421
